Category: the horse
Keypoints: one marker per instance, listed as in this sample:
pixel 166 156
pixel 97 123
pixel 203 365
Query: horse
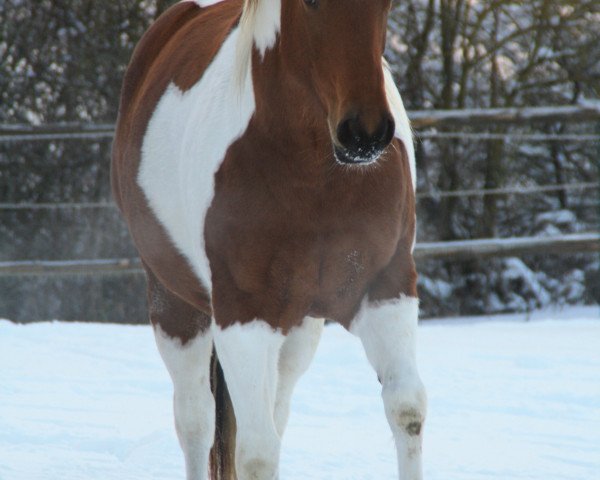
pixel 264 164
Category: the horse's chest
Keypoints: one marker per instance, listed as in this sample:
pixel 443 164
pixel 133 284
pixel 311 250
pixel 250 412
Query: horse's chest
pixel 316 257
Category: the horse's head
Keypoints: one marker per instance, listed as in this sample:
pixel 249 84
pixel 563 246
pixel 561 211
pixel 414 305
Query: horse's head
pixel 334 49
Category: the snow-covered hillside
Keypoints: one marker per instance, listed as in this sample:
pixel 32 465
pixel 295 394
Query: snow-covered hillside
pixel 508 399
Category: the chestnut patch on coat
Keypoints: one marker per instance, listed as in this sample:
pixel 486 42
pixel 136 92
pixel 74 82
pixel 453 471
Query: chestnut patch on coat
pixel 177 48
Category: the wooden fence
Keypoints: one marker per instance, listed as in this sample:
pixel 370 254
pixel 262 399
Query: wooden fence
pixel 456 250
pixel 421 120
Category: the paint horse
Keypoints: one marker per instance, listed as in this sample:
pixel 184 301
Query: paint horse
pixel 263 161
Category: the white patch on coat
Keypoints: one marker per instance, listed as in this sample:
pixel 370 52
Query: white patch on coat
pixel 249 355
pixel 295 357
pixel 403 130
pixel 193 402
pixel 184 145
pixel 388 332
pixel 205 3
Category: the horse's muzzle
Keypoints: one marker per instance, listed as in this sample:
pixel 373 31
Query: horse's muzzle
pixel 359 157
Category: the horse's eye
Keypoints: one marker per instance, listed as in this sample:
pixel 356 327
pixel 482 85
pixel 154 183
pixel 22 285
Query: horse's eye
pixel 312 3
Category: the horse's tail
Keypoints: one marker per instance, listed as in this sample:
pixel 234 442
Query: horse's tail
pixel 222 455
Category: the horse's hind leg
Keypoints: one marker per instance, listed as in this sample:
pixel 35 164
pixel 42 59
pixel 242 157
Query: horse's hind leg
pixel 249 355
pixel 294 359
pixel 184 340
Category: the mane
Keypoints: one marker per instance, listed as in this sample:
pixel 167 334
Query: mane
pixel 259 25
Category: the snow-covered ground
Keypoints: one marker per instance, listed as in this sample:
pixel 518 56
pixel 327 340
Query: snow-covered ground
pixel 508 399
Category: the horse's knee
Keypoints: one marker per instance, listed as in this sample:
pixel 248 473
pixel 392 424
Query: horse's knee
pixel 406 407
pixel 258 468
pixel 257 458
pixel 195 412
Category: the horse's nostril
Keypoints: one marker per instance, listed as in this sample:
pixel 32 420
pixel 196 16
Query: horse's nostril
pixel 385 132
pixel 388 130
pixel 349 133
pixel 352 134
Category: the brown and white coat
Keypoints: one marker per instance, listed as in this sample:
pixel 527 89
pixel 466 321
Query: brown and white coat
pixel 264 163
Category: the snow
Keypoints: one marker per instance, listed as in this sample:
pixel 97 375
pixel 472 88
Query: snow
pixel 509 398
pixel 556 217
pixel 515 270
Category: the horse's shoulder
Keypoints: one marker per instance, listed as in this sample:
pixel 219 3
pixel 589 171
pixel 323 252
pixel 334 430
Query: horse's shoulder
pixel 151 45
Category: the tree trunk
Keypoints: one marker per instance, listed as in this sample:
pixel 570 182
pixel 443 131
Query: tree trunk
pixel 494 165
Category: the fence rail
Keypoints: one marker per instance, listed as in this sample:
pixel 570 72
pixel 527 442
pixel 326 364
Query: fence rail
pixel 70 267
pixel 516 190
pixel 514 116
pixel 508 247
pixel 64 131
pixel 509 136
pixel 457 250
pixel 420 119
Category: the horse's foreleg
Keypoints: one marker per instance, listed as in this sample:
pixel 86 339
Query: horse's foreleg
pixel 295 357
pixel 249 356
pixel 388 333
